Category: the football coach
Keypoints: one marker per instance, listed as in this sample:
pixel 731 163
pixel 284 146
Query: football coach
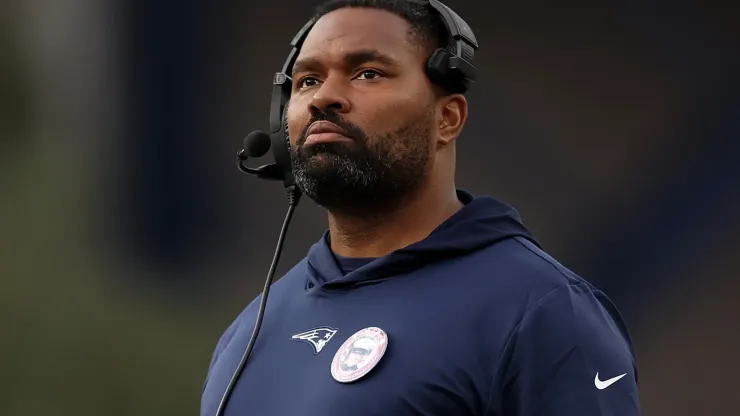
pixel 420 298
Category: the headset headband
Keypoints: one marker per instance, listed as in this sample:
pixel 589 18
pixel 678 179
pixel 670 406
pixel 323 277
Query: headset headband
pixel 462 35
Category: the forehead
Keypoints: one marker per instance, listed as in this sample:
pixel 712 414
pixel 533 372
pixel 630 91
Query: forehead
pixel 357 28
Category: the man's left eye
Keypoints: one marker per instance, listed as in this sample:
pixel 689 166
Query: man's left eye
pixel 369 74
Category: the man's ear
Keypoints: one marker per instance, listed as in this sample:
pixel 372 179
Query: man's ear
pixel 453 113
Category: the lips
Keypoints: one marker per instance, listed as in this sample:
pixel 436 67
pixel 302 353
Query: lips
pixel 324 132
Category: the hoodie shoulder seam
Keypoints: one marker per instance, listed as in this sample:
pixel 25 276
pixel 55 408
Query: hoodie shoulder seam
pixel 552 262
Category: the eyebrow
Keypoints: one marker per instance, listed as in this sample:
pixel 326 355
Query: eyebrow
pixel 350 60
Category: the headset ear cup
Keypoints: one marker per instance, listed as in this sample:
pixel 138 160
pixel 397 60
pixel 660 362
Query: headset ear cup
pixel 286 163
pixel 440 73
pixel 437 66
pixel 285 124
pixel 281 148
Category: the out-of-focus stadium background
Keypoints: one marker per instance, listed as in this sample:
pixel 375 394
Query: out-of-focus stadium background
pixel 130 241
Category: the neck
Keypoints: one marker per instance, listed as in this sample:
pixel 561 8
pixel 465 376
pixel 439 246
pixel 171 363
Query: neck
pixel 412 221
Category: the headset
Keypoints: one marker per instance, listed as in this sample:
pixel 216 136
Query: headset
pixel 451 67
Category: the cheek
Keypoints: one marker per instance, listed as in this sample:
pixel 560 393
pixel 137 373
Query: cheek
pixel 395 106
pixel 392 115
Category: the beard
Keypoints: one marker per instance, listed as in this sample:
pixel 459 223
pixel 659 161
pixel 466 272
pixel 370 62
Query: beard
pixel 370 174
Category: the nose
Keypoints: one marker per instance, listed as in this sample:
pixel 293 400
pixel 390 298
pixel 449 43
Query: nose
pixel 330 97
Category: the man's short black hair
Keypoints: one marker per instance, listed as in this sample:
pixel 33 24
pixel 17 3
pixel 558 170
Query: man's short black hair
pixel 427 27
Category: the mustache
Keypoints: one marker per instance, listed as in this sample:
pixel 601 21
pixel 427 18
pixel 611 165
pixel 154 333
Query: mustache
pixel 350 130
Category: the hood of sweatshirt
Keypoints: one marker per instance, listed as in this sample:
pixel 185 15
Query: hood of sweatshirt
pixel 482 221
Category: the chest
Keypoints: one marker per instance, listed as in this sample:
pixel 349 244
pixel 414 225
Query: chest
pixel 372 351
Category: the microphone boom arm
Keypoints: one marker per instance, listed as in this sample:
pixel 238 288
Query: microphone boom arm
pixel 269 172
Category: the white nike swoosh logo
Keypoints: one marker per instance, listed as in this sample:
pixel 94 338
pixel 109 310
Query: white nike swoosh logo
pixel 601 385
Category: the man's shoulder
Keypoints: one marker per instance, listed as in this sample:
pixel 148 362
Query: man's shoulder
pixel 520 265
pixel 516 277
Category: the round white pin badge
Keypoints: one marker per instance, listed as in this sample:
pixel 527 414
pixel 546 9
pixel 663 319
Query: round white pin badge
pixel 359 354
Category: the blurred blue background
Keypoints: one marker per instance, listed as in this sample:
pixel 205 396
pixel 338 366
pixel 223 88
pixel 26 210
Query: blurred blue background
pixel 130 241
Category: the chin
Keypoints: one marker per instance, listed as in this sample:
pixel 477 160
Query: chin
pixel 322 163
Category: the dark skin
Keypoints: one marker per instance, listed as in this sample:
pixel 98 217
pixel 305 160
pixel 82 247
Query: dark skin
pixel 363 64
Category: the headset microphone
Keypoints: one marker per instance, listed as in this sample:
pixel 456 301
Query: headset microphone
pixel 451 67
pixel 256 144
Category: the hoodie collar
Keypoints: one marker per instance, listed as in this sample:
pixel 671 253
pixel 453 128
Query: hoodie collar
pixel 483 221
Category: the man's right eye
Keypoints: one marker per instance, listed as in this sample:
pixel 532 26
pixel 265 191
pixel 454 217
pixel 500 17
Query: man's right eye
pixel 307 82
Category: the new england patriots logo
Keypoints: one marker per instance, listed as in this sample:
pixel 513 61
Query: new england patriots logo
pixel 317 337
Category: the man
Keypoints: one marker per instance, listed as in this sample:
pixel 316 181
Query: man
pixel 420 299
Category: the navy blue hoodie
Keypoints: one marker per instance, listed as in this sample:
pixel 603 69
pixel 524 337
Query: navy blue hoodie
pixel 476 319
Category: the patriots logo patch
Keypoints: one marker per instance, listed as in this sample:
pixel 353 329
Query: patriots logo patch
pixel 317 337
